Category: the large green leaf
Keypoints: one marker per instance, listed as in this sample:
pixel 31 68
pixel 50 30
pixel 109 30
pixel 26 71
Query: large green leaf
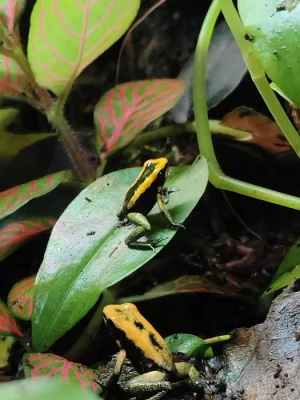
pixel 276 40
pixel 86 252
pixel 44 389
pixel 66 36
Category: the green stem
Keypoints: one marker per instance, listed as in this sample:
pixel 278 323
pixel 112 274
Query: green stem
pixel 258 75
pixel 216 175
pixel 75 151
pixel 217 339
pixel 175 130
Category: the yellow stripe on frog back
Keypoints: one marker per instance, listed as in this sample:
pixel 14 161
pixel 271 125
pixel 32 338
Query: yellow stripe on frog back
pixel 138 330
pixel 159 164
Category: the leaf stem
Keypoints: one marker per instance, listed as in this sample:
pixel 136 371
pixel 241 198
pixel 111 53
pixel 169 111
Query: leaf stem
pixel 75 151
pixel 258 75
pixel 216 175
pixel 217 339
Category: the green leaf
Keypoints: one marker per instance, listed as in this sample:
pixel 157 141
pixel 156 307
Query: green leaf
pixel 276 41
pixel 16 197
pixel 190 345
pixel 8 324
pixel 38 365
pixel 283 280
pixel 20 299
pixel 7 117
pixel 66 36
pixel 86 252
pixel 286 272
pixel 15 234
pixel 10 13
pixel 124 111
pixel 13 81
pixel 44 389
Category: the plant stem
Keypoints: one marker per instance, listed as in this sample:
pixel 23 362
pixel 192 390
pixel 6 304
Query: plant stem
pixel 217 339
pixel 216 175
pixel 75 151
pixel 258 75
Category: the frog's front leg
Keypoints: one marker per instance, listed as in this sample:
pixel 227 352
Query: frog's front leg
pixel 166 192
pixel 165 212
pixel 141 230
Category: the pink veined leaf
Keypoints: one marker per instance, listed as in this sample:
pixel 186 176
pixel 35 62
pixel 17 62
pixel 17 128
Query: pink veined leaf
pixel 15 234
pixel 124 111
pixel 14 198
pixel 20 299
pixel 10 13
pixel 13 81
pixel 66 36
pixel 38 365
pixel 8 324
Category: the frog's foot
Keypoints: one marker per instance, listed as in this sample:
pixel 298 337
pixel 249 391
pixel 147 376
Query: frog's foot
pixel 166 192
pixel 141 230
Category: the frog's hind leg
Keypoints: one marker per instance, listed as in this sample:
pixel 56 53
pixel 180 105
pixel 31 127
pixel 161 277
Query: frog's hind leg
pixel 143 226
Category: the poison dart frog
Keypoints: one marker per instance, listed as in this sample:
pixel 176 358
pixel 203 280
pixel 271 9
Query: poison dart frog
pixel 141 197
pixel 149 354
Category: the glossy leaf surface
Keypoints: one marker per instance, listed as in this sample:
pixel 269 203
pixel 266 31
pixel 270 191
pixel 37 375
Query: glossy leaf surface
pixel 190 345
pixel 86 252
pixel 276 40
pixel 124 111
pixel 44 389
pixel 10 13
pixel 15 234
pixel 38 365
pixel 20 299
pixel 283 280
pixel 16 197
pixel 66 36
pixel 8 324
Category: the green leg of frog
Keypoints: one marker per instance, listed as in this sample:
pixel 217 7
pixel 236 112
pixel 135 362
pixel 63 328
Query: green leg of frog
pixel 167 215
pixel 141 230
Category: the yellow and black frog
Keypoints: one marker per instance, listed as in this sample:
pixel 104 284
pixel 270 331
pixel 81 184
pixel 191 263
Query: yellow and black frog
pixel 157 373
pixel 141 197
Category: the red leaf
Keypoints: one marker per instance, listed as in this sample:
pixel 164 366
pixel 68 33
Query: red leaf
pixel 20 299
pixel 12 199
pixel 8 324
pixel 15 234
pixel 10 13
pixel 124 111
pixel 37 365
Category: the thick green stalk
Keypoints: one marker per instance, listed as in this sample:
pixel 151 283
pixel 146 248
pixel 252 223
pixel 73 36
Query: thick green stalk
pixel 216 175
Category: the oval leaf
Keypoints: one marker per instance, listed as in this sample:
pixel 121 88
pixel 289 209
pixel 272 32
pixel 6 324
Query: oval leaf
pixel 276 40
pixel 66 36
pixel 20 299
pixel 124 111
pixel 190 345
pixel 10 13
pixel 13 81
pixel 14 198
pixel 8 324
pixel 50 365
pixel 15 234
pixel 44 389
pixel 86 252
